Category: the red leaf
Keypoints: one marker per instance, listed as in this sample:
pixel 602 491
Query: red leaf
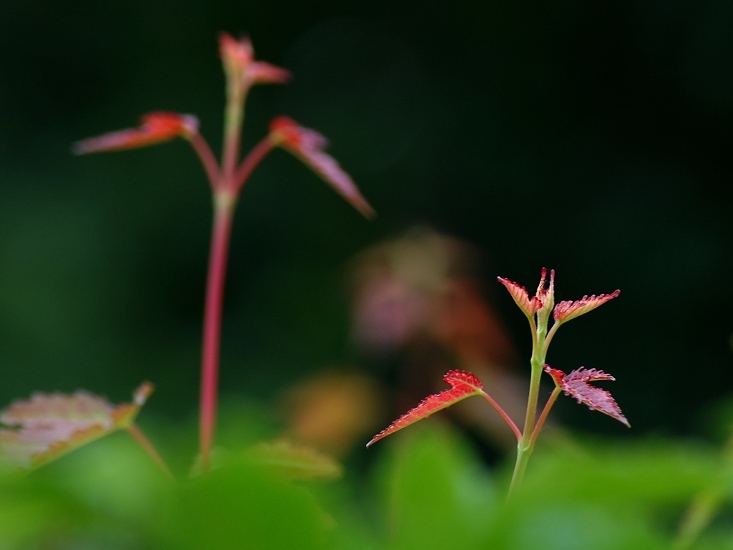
pixel 154 128
pixel 543 298
pixel 564 311
pixel 308 145
pixel 528 305
pixel 47 426
pixel 576 385
pixel 463 384
pixel 239 63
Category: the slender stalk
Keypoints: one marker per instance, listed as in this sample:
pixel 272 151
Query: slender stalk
pixel 548 339
pixel 698 517
pixel 224 204
pixel 206 156
pixel 503 414
pixel 526 444
pixel 703 507
pixel 139 436
pixel 543 415
pixel 233 119
pixel 253 158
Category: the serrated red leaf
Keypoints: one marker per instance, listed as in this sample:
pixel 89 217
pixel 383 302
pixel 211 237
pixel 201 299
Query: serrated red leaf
pixel 576 384
pixel 463 384
pixel 521 297
pixel 308 145
pixel 564 311
pixel 154 128
pixel 47 426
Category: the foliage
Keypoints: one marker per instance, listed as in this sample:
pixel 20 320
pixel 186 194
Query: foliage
pixel 428 490
pixel 537 309
pixel 431 489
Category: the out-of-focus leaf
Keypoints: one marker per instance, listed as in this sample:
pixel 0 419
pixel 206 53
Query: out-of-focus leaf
pixel 154 128
pixel 240 506
pixel 463 384
pixel 308 145
pixel 604 496
pixel 295 462
pixel 47 426
pixel 436 493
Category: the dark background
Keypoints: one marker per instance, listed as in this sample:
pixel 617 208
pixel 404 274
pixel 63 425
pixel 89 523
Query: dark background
pixel 591 137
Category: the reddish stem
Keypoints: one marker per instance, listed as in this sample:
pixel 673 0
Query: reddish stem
pixel 223 215
pixel 207 159
pixel 139 436
pixel 253 158
pixel 543 415
pixel 503 414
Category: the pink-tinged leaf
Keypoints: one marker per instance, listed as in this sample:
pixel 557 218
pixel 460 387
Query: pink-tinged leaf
pixel 239 63
pixel 529 306
pixel 546 295
pixel 265 73
pixel 47 426
pixel 154 128
pixel 564 311
pixel 238 53
pixel 308 145
pixel 576 384
pixel 463 384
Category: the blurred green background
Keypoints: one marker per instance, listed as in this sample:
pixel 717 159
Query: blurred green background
pixel 590 137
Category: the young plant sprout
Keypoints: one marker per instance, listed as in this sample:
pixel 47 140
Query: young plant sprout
pixel 227 180
pixel 538 310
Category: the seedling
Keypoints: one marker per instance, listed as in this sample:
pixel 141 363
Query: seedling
pixel 226 180
pixel 576 384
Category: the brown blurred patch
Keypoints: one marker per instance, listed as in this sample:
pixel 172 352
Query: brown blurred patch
pixel 333 411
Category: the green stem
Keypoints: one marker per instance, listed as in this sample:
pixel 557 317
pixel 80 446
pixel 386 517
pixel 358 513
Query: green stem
pixel 698 517
pixel 526 443
pixel 549 337
pixel 704 506
pixel 233 120
pixel 543 415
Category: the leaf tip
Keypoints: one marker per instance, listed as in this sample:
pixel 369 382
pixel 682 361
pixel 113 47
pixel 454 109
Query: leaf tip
pixel 142 393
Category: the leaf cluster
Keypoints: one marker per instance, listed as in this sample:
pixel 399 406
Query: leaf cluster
pixel 427 489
